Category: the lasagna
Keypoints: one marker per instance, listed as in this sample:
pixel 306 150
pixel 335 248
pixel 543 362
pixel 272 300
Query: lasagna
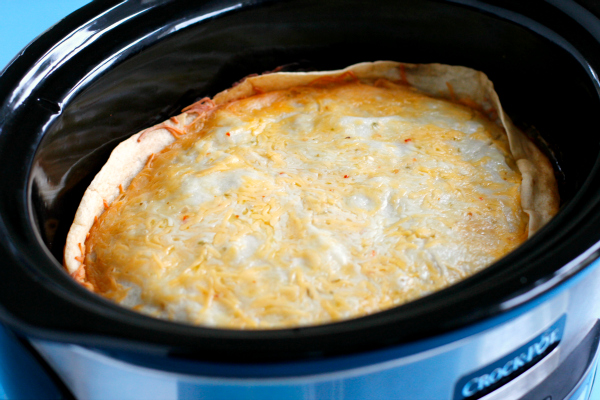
pixel 301 199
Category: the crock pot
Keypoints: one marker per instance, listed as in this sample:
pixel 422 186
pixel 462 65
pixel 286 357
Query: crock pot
pixel 526 327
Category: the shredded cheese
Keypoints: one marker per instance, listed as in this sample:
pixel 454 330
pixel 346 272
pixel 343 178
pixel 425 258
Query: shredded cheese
pixel 310 205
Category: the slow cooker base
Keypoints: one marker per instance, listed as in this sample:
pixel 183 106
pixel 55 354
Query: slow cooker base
pixel 555 340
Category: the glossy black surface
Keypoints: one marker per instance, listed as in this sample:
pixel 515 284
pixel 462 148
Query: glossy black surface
pixel 65 106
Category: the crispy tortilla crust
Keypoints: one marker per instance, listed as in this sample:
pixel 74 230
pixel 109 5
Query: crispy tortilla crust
pixel 539 192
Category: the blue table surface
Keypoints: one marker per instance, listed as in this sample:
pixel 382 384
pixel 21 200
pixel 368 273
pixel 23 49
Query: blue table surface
pixel 24 20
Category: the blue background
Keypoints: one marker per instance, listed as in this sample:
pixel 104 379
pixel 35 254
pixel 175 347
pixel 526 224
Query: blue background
pixel 21 21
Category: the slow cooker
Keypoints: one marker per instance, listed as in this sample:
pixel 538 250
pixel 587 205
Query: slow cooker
pixel 524 328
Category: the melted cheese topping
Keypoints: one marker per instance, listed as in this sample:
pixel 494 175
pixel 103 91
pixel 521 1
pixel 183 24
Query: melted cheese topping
pixel 310 205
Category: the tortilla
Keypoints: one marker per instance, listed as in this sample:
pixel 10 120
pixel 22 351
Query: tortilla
pixel 539 194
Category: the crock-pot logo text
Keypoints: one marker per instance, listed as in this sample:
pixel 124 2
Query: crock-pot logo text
pixel 484 381
pixel 493 376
